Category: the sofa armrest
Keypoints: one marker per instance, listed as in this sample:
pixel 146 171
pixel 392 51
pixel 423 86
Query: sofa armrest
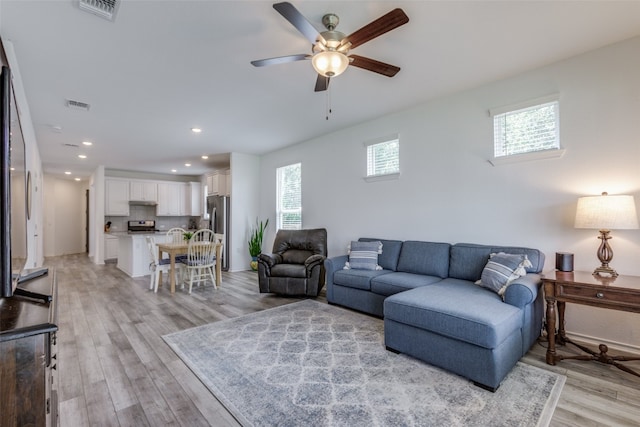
pixel 331 265
pixel 524 290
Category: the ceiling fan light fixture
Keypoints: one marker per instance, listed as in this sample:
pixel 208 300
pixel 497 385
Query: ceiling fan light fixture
pixel 330 63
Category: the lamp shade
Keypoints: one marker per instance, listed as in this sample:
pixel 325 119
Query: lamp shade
pixel 330 63
pixel 606 212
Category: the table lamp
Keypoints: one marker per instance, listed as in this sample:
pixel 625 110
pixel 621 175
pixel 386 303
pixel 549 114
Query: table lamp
pixel 606 213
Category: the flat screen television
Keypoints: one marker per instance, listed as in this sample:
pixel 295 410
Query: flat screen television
pixel 13 191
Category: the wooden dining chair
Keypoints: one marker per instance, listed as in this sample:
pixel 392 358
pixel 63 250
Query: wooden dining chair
pixel 158 265
pixel 176 235
pixel 201 258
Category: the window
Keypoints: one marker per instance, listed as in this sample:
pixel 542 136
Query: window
pixel 383 157
pixel 289 203
pixel 526 128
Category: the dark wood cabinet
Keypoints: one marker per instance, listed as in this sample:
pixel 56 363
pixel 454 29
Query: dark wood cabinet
pixel 28 357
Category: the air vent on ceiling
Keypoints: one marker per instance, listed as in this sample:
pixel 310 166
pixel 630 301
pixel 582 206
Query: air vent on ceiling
pixel 71 145
pixel 77 105
pixel 103 8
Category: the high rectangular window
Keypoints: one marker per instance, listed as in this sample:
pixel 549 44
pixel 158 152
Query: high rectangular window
pixel 383 157
pixel 526 129
pixel 289 197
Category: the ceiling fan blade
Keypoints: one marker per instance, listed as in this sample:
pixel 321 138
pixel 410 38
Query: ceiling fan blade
pixel 280 60
pixel 385 23
pixel 291 14
pixel 373 65
pixel 322 83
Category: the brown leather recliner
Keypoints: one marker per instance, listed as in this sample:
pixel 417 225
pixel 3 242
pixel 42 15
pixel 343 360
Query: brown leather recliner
pixel 296 266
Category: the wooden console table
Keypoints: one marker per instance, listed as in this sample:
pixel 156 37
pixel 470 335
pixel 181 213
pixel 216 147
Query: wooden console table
pixel 29 357
pixel 579 287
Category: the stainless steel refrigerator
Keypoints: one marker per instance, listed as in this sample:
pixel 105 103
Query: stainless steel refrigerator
pixel 218 208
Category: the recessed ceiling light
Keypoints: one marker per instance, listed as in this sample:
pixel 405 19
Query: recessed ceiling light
pixel 187 164
pixel 67 173
pixel 82 156
pixel 205 157
pixel 196 130
pixel 174 170
pixel 87 143
pixel 77 179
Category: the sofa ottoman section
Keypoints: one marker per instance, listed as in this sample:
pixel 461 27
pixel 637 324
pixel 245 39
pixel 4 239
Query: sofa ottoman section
pixel 485 367
pixel 456 309
pixel 456 325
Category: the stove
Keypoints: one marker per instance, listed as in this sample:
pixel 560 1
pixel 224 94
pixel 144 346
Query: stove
pixel 144 226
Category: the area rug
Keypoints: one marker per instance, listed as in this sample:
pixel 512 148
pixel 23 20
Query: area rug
pixel 313 364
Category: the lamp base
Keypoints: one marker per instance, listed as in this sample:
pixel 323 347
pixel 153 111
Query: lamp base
pixel 605 255
pixel 605 270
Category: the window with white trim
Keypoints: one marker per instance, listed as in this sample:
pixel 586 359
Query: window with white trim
pixel 289 197
pixel 383 157
pixel 526 128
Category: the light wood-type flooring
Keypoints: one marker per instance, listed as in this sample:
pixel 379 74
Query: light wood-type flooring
pixel 115 369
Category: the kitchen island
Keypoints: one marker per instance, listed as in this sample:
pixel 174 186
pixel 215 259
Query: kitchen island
pixel 133 254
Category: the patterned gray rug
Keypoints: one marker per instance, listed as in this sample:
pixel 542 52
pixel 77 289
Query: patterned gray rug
pixel 312 364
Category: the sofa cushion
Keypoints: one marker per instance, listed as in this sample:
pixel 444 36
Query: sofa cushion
pixel 364 256
pixel 457 309
pixel 427 258
pixel 501 270
pixel 358 279
pixel 393 283
pixel 388 259
pixel 533 255
pixel 469 259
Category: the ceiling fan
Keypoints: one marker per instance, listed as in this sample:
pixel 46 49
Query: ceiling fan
pixel 330 49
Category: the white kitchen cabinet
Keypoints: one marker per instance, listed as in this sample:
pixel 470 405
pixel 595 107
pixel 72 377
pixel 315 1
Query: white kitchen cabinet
pixel 212 184
pixel 171 201
pixel 227 183
pixel 117 197
pixel 219 183
pixel 194 199
pixel 146 191
pixel 110 247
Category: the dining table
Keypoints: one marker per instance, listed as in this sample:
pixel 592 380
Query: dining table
pixel 174 249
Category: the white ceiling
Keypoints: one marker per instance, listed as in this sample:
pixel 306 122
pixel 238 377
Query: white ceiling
pixel 163 67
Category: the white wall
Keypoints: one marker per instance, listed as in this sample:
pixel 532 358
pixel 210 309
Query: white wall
pixel 96 215
pixel 65 219
pixel 447 191
pixel 245 176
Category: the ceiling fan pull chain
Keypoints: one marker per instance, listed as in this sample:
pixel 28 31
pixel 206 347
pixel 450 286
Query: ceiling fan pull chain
pixel 328 102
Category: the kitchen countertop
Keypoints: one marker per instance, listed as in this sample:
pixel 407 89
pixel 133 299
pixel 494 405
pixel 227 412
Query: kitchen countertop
pixel 126 234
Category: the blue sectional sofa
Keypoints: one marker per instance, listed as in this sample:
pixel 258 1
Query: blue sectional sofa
pixel 434 311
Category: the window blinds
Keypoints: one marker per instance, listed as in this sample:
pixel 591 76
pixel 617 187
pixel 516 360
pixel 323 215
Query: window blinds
pixel 289 182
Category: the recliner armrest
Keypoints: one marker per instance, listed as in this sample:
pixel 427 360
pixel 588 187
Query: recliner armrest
pixel 313 261
pixel 270 259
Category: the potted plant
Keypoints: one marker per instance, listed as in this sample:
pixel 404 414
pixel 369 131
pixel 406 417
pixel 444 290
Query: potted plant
pixel 255 242
pixel 187 235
